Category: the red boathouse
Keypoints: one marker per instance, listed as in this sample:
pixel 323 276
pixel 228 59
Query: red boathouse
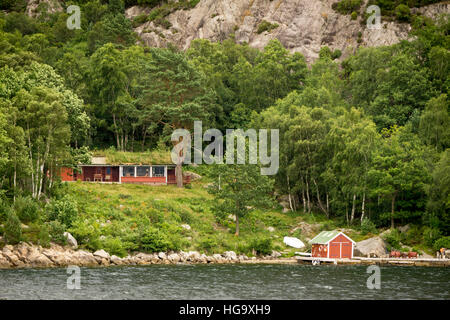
pixel 332 244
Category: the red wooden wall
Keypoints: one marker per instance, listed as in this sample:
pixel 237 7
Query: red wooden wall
pixel 89 172
pixel 341 247
pixel 66 174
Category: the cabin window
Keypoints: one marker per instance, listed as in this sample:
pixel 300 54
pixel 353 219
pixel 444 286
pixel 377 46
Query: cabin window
pixel 108 170
pixel 128 171
pixel 143 171
pixel 158 171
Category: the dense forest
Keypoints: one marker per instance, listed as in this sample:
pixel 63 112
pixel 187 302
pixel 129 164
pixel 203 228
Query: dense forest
pixel 364 140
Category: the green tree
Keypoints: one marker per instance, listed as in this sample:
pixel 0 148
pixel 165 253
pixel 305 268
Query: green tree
pixel 239 189
pixel 47 133
pixel 438 191
pixel 113 28
pixel 107 79
pixel 398 166
pixel 14 161
pixel 352 139
pixel 434 123
pixel 176 95
pixel 388 85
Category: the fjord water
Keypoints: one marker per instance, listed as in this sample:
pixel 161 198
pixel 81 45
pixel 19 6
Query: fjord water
pixel 227 282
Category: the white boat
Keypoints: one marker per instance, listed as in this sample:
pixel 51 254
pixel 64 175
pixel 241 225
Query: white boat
pixel 303 254
pixel 293 242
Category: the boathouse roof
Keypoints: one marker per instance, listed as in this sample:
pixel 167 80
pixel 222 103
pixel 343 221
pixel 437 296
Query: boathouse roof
pixel 326 236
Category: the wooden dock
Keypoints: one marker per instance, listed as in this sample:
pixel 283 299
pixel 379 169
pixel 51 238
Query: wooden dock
pixel 379 261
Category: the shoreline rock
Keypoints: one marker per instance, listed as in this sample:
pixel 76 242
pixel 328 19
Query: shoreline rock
pixel 25 255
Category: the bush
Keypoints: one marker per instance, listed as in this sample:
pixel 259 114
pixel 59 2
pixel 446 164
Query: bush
pixel 402 13
pixel 26 209
pixel 262 246
pixel 393 240
pixel 354 15
pixel 13 230
pixel 64 211
pixel 4 209
pixel 56 231
pixel 443 242
pixel 325 52
pixel 347 6
pixel 44 236
pixel 336 54
pixel 153 240
pixel 86 233
pixel 114 246
pixel 58 190
pixel 140 19
pixel 412 236
pixel 185 216
pixel 21 22
pixel 430 235
pixel 368 226
pixel 266 26
pixel 155 216
pixel 163 23
pixel 208 243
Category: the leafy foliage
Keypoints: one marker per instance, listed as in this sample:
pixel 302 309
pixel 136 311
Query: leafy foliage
pixel 363 139
pixel 65 211
pixel 266 26
pixel 26 209
pixel 13 229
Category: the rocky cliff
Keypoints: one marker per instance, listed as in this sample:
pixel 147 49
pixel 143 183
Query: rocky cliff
pixel 303 25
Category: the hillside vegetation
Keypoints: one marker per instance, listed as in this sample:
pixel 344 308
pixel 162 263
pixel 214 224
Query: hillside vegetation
pixel 364 142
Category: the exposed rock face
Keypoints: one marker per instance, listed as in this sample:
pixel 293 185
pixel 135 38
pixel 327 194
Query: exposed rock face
pixel 52 6
pixel 375 247
pixel 434 10
pixel 304 25
pixel 306 229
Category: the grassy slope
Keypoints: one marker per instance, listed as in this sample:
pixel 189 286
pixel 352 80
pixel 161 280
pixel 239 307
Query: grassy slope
pixel 128 207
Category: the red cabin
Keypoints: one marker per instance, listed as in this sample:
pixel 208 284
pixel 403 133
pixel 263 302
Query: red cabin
pixel 100 171
pixel 332 244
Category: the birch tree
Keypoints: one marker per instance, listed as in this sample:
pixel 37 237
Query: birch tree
pixel 47 133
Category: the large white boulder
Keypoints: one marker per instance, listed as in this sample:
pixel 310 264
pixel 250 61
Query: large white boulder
pixel 375 246
pixel 102 254
pixel 230 255
pixel 71 241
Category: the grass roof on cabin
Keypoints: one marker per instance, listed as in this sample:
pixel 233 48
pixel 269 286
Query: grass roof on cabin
pixel 138 158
